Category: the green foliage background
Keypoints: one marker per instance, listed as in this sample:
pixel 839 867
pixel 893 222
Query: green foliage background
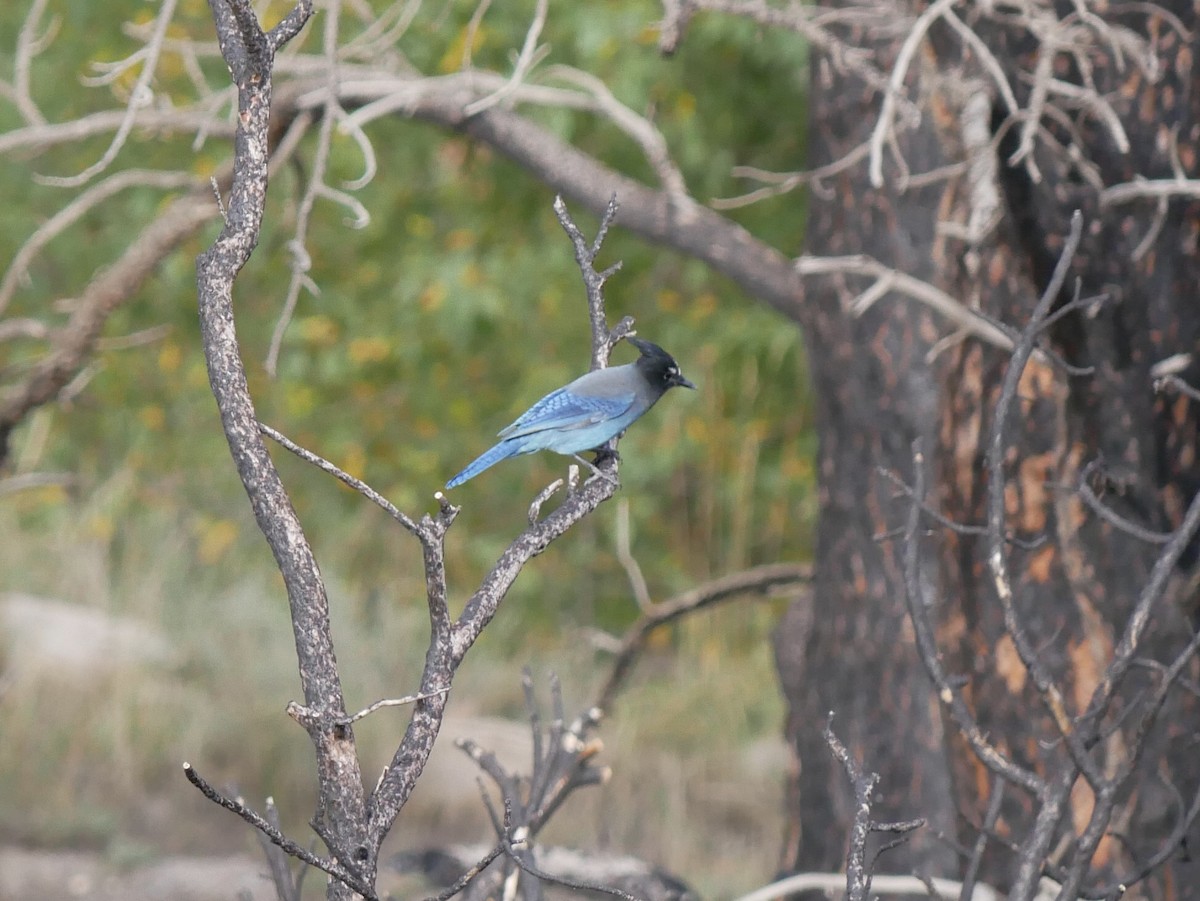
pixel 454 309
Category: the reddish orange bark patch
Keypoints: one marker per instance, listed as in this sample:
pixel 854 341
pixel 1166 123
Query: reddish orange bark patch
pixel 1034 476
pixel 1041 567
pixel 1009 666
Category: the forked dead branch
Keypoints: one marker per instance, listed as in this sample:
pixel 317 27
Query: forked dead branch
pixel 353 824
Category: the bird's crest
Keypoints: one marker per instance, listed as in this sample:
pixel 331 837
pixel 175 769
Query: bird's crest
pixel 657 366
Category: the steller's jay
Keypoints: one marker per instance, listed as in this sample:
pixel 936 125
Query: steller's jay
pixel 589 412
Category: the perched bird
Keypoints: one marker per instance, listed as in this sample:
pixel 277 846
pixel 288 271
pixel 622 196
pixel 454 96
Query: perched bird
pixel 589 412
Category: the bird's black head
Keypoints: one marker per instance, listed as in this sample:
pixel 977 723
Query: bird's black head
pixel 658 367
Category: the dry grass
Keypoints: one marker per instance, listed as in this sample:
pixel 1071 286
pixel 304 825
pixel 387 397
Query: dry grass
pixel 95 763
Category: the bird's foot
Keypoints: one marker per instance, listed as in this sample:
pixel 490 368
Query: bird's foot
pixel 606 452
pixel 609 477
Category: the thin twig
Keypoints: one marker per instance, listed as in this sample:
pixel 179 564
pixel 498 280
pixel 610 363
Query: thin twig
pixel 1052 797
pixel 28 47
pixel 759 580
pixel 1110 516
pixel 948 692
pixel 944 521
pixel 1179 385
pixel 888 279
pixel 332 867
pixel 885 125
pixel 18 268
pixel 783 182
pixel 997 561
pixel 603 338
pixel 287 887
pixel 452 639
pixel 139 96
pixel 55 134
pixel 465 879
pixel 341 475
pixel 990 818
pixel 637 581
pixel 301 261
pixel 392 702
pixel 651 140
pixel 526 60
pixel 859 875
pixel 574 884
pixel 1123 655
pixel 831 883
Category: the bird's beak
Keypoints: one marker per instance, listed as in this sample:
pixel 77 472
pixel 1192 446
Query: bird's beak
pixel 684 383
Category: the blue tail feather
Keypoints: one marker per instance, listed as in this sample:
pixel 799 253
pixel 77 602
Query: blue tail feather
pixel 487 459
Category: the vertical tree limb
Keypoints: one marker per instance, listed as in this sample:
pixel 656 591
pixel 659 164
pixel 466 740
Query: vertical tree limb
pixel 249 53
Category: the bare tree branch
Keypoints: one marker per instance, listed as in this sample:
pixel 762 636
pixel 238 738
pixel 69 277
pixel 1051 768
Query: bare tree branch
pixel 139 96
pixel 527 58
pixel 18 269
pixel 287 884
pixel 155 121
pixel 1150 189
pixel 301 261
pixel 888 279
pixel 28 46
pixel 272 833
pixel 997 559
pixel 859 873
pixel 886 123
pixel 759 580
pixel 73 342
pixel 249 53
pixel 344 477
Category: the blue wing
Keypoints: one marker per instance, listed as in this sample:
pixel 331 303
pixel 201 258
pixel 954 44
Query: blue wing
pixel 580 416
pixel 564 409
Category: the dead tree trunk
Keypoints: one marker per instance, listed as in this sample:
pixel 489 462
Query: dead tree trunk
pixel 1099 467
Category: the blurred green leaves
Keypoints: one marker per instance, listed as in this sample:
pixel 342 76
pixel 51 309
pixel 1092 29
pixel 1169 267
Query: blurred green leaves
pixel 456 307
